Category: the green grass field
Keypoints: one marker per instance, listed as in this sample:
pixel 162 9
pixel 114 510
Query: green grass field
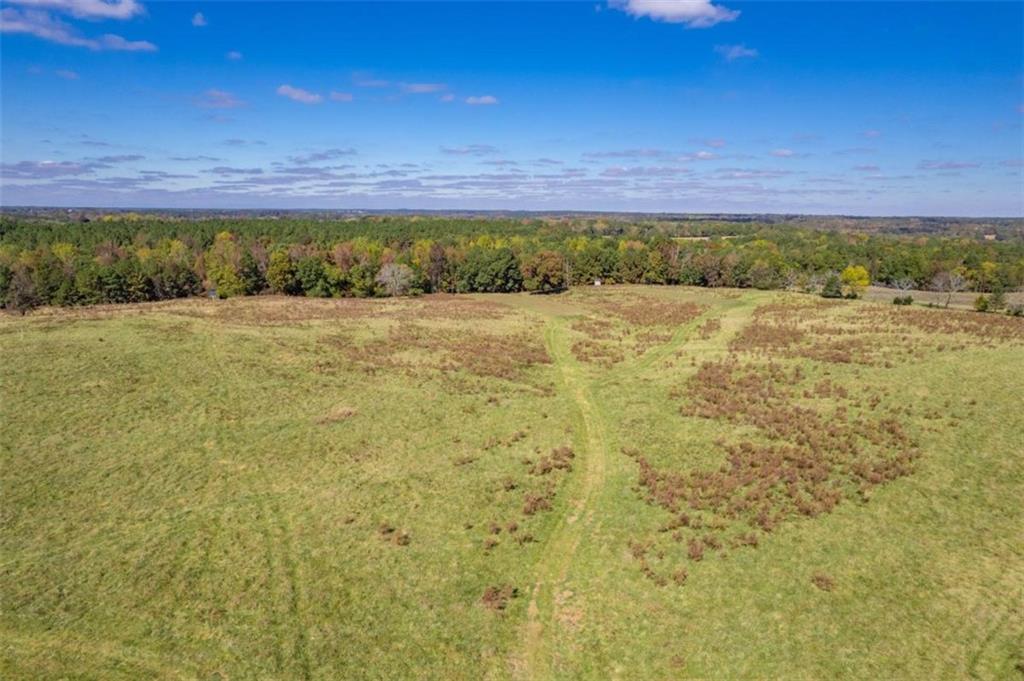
pixel 626 482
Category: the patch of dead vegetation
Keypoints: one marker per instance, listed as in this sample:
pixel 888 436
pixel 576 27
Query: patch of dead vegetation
pixel 815 446
pixel 412 346
pixel 497 598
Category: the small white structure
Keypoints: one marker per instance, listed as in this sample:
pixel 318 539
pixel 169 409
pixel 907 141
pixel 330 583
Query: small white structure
pixel 597 282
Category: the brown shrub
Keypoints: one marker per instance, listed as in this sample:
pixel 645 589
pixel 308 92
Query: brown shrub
pixel 823 581
pixel 498 597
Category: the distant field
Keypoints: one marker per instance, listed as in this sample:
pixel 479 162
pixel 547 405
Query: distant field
pixel 624 482
pixel 963 300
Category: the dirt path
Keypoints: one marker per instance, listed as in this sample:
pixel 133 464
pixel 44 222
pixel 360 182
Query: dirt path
pixel 535 658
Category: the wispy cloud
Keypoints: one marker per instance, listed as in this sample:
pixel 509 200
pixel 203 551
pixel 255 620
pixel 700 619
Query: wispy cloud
pixel 714 143
pixel 318 156
pixel 734 52
pixel 470 150
pixel 297 94
pixel 233 55
pixel 341 96
pixel 121 158
pixel 625 153
pixel 867 169
pixel 699 156
pixel 227 170
pixel 691 13
pixel 42 25
pixel 198 20
pixel 946 165
pixel 422 88
pixel 66 74
pixel 483 100
pixel 872 134
pixel 645 171
pixel 88 9
pixel 212 159
pixel 218 99
pixel 238 142
pixel 37 170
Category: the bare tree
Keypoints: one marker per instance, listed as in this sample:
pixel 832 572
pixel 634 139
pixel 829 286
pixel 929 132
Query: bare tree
pixel 949 283
pixel 395 279
pixel 904 285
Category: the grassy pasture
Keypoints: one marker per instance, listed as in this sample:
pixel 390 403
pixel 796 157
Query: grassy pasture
pixel 493 487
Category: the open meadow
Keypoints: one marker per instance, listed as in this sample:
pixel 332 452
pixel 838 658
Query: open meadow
pixel 618 482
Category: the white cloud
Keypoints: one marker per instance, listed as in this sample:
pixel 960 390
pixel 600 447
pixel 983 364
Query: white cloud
pixel 871 134
pixel 783 153
pixel 233 55
pixel 42 25
pixel 714 143
pixel 66 74
pixel 198 20
pixel 341 96
pixel 422 88
pixel 88 9
pixel 117 43
pixel 734 52
pixel 219 99
pixel 692 13
pixel 483 100
pixel 447 97
pixel 299 95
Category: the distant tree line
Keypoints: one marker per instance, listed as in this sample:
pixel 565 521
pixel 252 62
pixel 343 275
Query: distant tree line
pixel 134 260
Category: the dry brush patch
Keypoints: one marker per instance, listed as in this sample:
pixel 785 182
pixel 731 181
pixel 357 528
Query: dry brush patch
pixel 411 347
pixel 869 335
pixel 644 322
pixel 815 442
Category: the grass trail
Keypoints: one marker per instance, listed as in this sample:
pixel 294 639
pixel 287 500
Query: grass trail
pixel 535 658
pixel 543 634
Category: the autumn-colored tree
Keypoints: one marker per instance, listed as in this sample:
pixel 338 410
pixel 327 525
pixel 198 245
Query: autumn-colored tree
pixel 544 271
pixel 855 279
pixel 281 274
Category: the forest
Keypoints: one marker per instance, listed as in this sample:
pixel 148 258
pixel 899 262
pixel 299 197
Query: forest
pixel 122 258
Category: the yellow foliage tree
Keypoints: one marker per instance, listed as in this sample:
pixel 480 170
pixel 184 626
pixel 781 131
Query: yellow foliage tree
pixel 855 280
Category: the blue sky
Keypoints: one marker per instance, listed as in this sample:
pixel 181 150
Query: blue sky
pixel 871 108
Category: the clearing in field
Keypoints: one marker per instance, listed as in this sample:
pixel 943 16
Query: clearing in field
pixel 623 482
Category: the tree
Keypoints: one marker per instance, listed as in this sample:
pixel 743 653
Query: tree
pixel 981 303
pixel 223 261
pixel 544 271
pixel 21 291
pixel 949 283
pixel 281 274
pixel 633 261
pixel 903 285
pixel 855 280
pixel 489 270
pixel 395 279
pixel 833 287
pixel 657 270
pixel 997 301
